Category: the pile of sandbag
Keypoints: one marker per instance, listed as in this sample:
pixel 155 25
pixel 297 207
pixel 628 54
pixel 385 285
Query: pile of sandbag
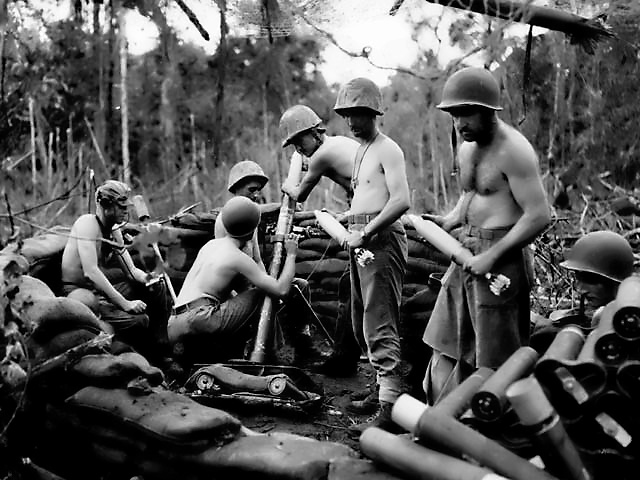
pixel 92 408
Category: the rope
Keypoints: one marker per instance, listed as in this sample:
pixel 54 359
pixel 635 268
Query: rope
pixel 58 232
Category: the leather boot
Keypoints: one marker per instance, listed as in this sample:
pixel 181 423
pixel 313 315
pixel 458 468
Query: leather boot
pixel 364 405
pixel 382 420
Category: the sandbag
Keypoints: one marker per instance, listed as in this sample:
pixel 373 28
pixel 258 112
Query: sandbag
pixel 57 344
pixel 336 284
pixel 257 456
pixel 29 290
pixel 319 294
pixel 330 266
pixel 347 468
pixel 162 417
pixel 51 316
pixel 423 266
pixel 108 370
pixel 330 308
pixel 328 246
pixel 305 254
pixel 273 456
pixel 43 246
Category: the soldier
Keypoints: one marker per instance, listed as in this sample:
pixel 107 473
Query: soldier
pixel 380 197
pixel 502 209
pixel 331 157
pixel 600 261
pixel 247 179
pixel 89 272
pixel 208 323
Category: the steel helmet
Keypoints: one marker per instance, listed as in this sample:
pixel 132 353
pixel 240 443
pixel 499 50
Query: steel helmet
pixel 359 92
pixel 604 253
pixel 298 119
pixel 240 217
pixel 242 171
pixel 113 191
pixel 471 86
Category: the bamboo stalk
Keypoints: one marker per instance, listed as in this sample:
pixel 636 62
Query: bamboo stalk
pixel 32 126
pixel 435 166
pixel 50 165
pixel 94 141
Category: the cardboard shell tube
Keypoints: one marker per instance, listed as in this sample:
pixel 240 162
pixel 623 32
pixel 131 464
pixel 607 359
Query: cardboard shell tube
pixel 557 451
pixel 458 400
pixel 626 318
pixel 489 402
pixel 566 345
pixel 435 428
pixel 417 462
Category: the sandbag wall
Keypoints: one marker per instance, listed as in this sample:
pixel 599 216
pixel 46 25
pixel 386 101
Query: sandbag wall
pixel 323 263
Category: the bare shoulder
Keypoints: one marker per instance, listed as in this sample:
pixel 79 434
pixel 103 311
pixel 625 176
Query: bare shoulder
pixel 336 149
pixel 87 224
pixel 390 150
pixel 520 154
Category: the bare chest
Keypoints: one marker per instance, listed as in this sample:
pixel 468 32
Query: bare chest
pixel 482 173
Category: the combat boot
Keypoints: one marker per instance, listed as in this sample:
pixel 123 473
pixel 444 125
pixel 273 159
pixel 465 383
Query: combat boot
pixel 382 419
pixel 362 404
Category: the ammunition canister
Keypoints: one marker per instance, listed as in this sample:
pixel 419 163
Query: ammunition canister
pixel 489 402
pixel 434 428
pixel 417 462
pixel 559 454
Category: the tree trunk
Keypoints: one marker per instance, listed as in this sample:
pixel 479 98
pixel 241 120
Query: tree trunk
pixel 124 105
pixel 223 54
pixel 110 56
pixel 99 117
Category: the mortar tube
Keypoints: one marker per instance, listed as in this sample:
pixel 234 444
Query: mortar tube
pixel 489 402
pixel 559 454
pixel 432 427
pixel 417 462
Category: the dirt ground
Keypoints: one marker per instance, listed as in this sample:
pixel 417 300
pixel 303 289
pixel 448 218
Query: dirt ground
pixel 330 423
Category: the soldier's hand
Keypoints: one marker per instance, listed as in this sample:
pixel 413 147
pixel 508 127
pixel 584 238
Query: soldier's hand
pixel 291 243
pixel 135 306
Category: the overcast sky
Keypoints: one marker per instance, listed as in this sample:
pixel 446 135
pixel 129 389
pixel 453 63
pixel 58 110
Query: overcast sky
pixel 355 24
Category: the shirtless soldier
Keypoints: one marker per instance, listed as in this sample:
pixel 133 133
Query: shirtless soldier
pixel 502 209
pixel 380 197
pixel 247 179
pixel 88 267
pixel 208 324
pixel 331 157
